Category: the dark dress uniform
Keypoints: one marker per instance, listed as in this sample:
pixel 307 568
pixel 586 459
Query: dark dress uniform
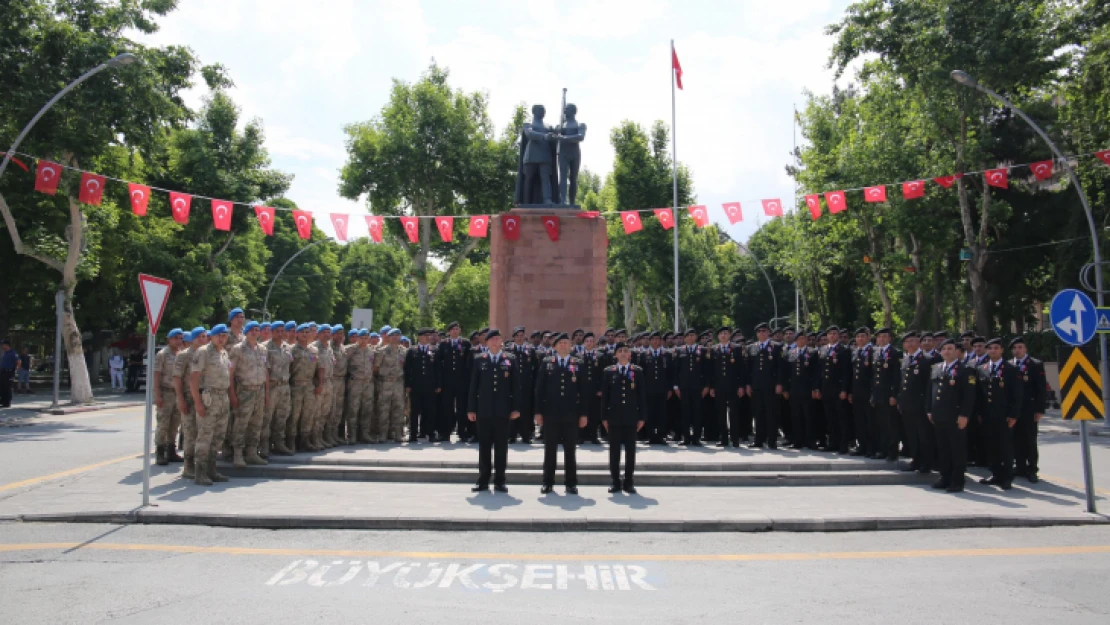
pixel 864 424
pixel 764 374
pixel 884 387
pixel 952 395
pixel 976 440
pixel 911 402
pixel 691 379
pixel 623 398
pixel 836 372
pixel 998 401
pixel 494 394
pixel 559 400
pixel 658 382
pixel 422 375
pixel 803 376
pixel 1031 400
pixel 591 389
pixel 525 363
pixel 454 367
pixel 727 375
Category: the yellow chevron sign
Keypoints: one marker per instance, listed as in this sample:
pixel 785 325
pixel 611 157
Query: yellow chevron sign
pixel 1081 388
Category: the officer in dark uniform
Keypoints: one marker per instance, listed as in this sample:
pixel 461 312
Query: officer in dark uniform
pixel 422 381
pixel 803 377
pixel 560 411
pixel 976 439
pixel 578 338
pixel 999 404
pixel 708 430
pixel 591 389
pixel 951 402
pixel 623 398
pixel 690 385
pixel 658 388
pixel 912 394
pixel 884 394
pixel 726 366
pixel 1031 400
pixel 454 360
pixel 525 362
pixel 863 417
pixel 764 386
pixel 836 370
pixel 494 399
pixel 741 423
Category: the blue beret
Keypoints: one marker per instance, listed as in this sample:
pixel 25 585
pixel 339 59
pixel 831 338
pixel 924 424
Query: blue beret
pixel 276 325
pixel 187 336
pixel 312 324
pixel 234 311
pixel 174 332
pixel 323 327
pixel 337 327
pixel 405 338
pixel 198 331
pixel 365 332
pixel 375 335
pixel 250 326
pixel 385 330
pixel 217 330
pixel 290 325
pixel 353 332
pixel 393 331
pixel 303 326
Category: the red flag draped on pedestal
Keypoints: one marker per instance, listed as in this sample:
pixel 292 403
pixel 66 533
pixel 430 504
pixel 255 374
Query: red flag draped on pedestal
pixel 92 189
pixel 874 194
pixel 733 211
pixel 998 177
pixel 665 217
pixel 813 203
pixel 265 216
pixel 47 175
pixel 303 220
pixel 140 196
pixel 374 225
pixel 221 214
pixel 179 206
pixel 913 189
pixel 631 221
pixel 412 227
pixel 551 224
pixel 701 217
pixel 510 227
pixel 339 224
pixel 446 227
pixel 479 226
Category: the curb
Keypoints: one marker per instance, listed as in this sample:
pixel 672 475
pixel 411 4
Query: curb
pixel 589 524
pixel 89 408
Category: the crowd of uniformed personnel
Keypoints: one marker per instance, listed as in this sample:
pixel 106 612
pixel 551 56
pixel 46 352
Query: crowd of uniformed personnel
pixel 247 390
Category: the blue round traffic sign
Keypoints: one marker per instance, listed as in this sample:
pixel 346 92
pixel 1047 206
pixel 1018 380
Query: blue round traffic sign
pixel 1073 317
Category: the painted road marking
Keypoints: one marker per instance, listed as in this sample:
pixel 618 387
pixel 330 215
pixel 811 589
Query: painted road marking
pixel 1062 482
pixel 61 474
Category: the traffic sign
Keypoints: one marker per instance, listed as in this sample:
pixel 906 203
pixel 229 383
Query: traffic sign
pixel 1081 388
pixel 1073 317
pixel 1102 323
pixel 156 291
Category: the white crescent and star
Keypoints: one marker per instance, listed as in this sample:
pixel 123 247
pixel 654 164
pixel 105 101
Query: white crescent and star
pixel 699 213
pixel 92 184
pixel 479 223
pixel 221 211
pixel 177 206
pixel 630 218
pixel 375 224
pixel 549 223
pixel 913 186
pixel 665 216
pixel 141 195
pixel 874 192
pixel 811 201
pixel 302 220
pixel 731 210
pixel 773 205
pixel 48 173
pixel 510 224
pixel 996 176
pixel 1040 169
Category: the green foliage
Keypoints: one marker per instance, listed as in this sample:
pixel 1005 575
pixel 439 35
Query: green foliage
pixel 466 298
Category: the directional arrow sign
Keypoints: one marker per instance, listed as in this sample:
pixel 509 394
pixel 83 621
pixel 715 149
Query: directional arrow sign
pixel 1073 317
pixel 156 291
pixel 1081 388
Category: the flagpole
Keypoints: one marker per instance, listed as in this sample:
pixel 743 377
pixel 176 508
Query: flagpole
pixel 674 174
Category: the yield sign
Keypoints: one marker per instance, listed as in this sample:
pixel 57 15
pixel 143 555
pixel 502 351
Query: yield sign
pixel 155 293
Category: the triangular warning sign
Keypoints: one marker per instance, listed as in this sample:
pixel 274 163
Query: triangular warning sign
pixel 1103 324
pixel 156 291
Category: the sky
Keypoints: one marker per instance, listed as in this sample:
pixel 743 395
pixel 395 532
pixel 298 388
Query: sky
pixel 307 68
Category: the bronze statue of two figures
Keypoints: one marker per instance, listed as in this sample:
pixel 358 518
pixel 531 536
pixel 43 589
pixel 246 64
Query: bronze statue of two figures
pixel 547 172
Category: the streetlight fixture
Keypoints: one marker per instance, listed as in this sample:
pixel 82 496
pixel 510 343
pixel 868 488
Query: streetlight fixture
pixel 969 81
pixel 774 300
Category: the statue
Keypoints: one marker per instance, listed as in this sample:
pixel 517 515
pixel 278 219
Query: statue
pixel 547 169
pixel 571 133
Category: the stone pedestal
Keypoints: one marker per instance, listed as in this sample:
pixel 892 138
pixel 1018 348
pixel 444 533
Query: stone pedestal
pixel 544 284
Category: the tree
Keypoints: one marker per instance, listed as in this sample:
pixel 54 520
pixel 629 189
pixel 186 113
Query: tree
pixel 376 276
pixel 466 299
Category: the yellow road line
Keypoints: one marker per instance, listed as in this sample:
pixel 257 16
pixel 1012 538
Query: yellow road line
pixel 61 474
pixel 1071 484
pixel 654 557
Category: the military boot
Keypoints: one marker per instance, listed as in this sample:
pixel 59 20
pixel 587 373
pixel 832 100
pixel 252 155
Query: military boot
pixel 171 453
pixel 213 474
pixel 280 449
pixel 202 474
pixel 252 457
pixel 238 461
pixel 189 470
pixel 291 443
pixel 160 456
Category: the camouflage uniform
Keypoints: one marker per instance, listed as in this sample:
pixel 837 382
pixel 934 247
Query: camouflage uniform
pixel 233 339
pixel 181 370
pixel 278 359
pixel 326 363
pixel 214 368
pixel 250 366
pixel 302 398
pixel 339 396
pixel 360 394
pixel 389 367
pixel 169 417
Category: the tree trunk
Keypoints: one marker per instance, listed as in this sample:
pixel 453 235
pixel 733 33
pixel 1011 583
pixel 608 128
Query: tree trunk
pixel 648 313
pixel 80 388
pixel 918 289
pixel 976 242
pixel 420 269
pixel 628 293
pixel 938 299
pixel 877 273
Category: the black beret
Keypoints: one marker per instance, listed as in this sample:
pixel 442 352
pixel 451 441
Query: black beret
pixel 474 334
pixel 668 335
pixel 724 329
pixel 995 341
pixel 950 342
pixel 453 324
pixel 1017 340
pixel 547 332
pixel 424 331
pixel 609 330
pixel 621 331
pixel 620 345
pixel 704 334
pixel 912 334
pixel 777 331
pixel 579 331
pixel 483 330
pixel 562 336
pixel 940 334
pixel 690 331
pixel 493 332
pixel 967 335
pixel 762 326
pixel 655 335
pixel 821 335
pixel 518 329
pixel 789 329
pixel 978 339
pixel 863 330
pixel 882 331
pixel 926 335
pixel 534 334
pixel 588 335
pixel 832 329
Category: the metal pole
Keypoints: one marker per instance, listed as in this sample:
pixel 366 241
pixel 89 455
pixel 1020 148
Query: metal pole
pixel 774 300
pixel 149 416
pixel 265 310
pixel 674 208
pixel 59 302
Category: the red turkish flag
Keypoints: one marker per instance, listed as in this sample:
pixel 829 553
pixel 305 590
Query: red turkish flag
pixel 998 177
pixel 412 227
pixel 339 224
pixel 179 206
pixel 140 196
pixel 772 208
pixel 665 217
pixel 732 210
pixel 510 227
pixel 265 216
pixel 588 214
pixel 874 194
pixel 1041 169
pixel 374 225
pixel 446 226
pixel 913 189
pixel 947 181
pixel 631 221
pixel 676 67
pixel 1103 156
pixel 836 201
pixel 551 224
pixel 47 176
pixel 303 220
pixel 92 189
pixel 479 226
pixel 221 214
pixel 700 215
pixel 813 203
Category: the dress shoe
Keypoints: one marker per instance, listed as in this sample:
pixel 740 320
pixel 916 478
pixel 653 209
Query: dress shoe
pixel 924 470
pixel 413 440
pixel 545 489
pixel 615 487
pixel 908 469
pixel 722 444
pixel 695 443
pixel 893 458
pixel 501 488
pixel 797 446
pixel 989 480
pixel 954 488
pixel 858 452
pixel 1005 485
pixel 877 456
pixel 941 484
pixel 772 446
pixel 572 490
pixel 1032 477
pixel 755 446
pixel 629 489
pixel 479 488
pixel 595 441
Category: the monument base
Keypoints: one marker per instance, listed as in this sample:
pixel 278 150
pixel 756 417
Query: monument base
pixel 549 206
pixel 549 285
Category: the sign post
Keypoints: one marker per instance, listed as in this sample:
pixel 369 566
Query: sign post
pixel 156 291
pixel 1075 319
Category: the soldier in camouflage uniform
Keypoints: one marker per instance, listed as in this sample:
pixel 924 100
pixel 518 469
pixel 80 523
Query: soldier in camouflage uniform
pixel 302 389
pixel 389 367
pixel 235 322
pixel 338 387
pixel 248 395
pixel 360 389
pixel 182 367
pixel 325 362
pixel 278 359
pixel 210 378
pixel 169 417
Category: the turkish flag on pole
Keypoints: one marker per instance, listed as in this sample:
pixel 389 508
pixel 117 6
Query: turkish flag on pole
pixel 665 217
pixel 732 209
pixel 265 216
pixel 913 189
pixel 221 214
pixel 92 189
pixel 303 220
pixel 836 201
pixel 947 181
pixel 140 196
pixel 631 221
pixel 1041 169
pixel 374 225
pixel 339 224
pixel 701 217
pixel 412 227
pixel 1103 156
pixel 446 226
pixel 875 194
pixel 551 224
pixel 479 226
pixel 772 208
pixel 677 67
pixel 998 177
pixel 47 175
pixel 510 227
pixel 813 203
pixel 179 206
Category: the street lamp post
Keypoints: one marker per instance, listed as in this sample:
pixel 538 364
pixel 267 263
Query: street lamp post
pixel 968 80
pixel 774 300
pixel 265 310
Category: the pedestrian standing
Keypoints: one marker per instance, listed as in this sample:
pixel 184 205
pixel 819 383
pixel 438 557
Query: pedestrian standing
pixel 303 378
pixel 338 386
pixel 836 382
pixel 802 377
pixel 422 383
pixel 23 371
pixel 591 390
pixel 884 394
pixel 691 385
pixel 389 369
pixel 8 363
pixel 912 395
pixel 1000 404
pixel 727 377
pixel 494 402
pixel 765 386
pixel 951 404
pixel 360 389
pixel 1031 400
pixel 454 360
pixel 561 411
pixel 278 360
pixel 115 368
pixel 623 398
